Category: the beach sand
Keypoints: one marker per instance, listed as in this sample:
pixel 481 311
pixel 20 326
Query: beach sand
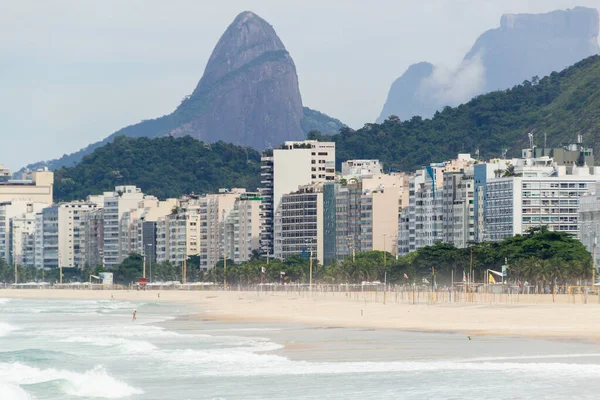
pixel 530 316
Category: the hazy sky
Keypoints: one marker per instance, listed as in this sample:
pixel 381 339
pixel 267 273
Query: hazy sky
pixel 74 71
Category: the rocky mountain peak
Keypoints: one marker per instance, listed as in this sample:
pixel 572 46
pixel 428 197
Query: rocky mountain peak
pixel 247 38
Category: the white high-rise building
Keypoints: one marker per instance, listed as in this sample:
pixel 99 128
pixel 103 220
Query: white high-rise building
pixel 242 228
pixel 284 170
pixel 123 199
pixel 543 197
pixel 17 230
pixel 63 237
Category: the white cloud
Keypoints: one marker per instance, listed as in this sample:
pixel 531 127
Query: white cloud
pixel 454 86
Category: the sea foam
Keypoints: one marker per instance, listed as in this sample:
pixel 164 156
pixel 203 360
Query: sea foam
pixel 93 383
pixel 6 329
pixel 124 345
pixel 11 391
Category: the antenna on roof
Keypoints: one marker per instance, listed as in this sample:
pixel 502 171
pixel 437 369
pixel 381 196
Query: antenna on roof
pixel 504 154
pixel 545 140
pixel 530 135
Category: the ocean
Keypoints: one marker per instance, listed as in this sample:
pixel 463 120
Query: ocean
pixel 57 349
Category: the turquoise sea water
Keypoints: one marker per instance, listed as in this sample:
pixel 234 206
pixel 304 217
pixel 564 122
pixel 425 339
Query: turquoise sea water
pixel 92 349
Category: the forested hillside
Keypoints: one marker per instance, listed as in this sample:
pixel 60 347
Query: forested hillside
pixel 164 167
pixel 561 105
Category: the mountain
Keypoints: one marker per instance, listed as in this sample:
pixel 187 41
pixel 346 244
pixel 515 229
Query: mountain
pixel 248 96
pixel 525 45
pixel 561 105
pixel 164 167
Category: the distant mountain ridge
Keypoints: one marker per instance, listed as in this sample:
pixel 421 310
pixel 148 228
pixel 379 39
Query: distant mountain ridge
pixel 525 45
pixel 248 96
pixel 561 105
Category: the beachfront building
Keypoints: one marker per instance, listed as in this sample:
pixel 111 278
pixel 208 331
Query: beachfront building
pixel 541 194
pixel 284 170
pixel 63 234
pixel 482 172
pixel 34 187
pixel 116 204
pixel 94 236
pixel 196 227
pixel 242 228
pixel 366 212
pixel 440 205
pixel 589 222
pixel 17 231
pixel 299 224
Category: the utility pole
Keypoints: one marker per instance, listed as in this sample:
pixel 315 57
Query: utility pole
pixel 144 264
pixel 184 270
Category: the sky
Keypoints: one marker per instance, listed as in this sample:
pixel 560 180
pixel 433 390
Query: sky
pixel 74 71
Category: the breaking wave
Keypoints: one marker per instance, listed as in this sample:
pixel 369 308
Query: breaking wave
pixel 93 383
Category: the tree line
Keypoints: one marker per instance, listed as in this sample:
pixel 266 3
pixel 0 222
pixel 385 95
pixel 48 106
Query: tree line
pixel 540 257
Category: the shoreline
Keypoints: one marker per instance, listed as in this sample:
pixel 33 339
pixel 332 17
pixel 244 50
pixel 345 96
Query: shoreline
pixel 532 316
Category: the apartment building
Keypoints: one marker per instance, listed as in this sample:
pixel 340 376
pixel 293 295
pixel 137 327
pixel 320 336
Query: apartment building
pixel 429 217
pixel 196 227
pixel 361 168
pixel 589 221
pixel 299 224
pixel 284 170
pixel 363 213
pixel 116 204
pixel 242 228
pixel 34 187
pixel 63 233
pixel 17 231
pixel 541 194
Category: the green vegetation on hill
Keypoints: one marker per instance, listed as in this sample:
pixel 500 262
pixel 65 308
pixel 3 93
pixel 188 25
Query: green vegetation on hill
pixel 164 167
pixel 314 120
pixel 561 105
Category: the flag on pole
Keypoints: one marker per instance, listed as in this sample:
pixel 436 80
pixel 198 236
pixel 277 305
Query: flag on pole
pixel 491 278
pixel 405 276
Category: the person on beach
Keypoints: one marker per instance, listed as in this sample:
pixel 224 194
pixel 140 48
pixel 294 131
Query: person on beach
pixel 134 315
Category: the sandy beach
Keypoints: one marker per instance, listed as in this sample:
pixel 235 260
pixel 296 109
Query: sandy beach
pixel 530 316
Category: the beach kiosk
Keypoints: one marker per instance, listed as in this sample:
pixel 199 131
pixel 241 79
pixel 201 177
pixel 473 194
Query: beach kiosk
pixel 142 283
